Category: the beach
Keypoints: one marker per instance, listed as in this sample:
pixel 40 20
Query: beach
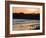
pixel 26 24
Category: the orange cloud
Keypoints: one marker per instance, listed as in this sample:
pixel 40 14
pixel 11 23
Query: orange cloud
pixel 26 10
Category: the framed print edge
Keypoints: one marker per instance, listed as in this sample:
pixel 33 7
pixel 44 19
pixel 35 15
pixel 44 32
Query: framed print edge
pixel 7 18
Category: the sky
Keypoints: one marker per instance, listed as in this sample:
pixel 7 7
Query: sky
pixel 26 10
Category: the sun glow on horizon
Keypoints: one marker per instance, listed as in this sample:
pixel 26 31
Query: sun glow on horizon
pixel 26 10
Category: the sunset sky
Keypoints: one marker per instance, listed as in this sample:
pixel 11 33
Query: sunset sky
pixel 26 10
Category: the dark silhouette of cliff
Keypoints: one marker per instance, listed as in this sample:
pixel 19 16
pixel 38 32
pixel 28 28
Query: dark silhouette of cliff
pixel 26 16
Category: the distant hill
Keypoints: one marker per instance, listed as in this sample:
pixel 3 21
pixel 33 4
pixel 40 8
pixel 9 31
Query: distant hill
pixel 26 16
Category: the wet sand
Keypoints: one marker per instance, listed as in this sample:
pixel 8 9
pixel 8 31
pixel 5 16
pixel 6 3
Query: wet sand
pixel 26 24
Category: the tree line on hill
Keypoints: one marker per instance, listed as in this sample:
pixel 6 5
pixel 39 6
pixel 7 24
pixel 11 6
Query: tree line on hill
pixel 26 16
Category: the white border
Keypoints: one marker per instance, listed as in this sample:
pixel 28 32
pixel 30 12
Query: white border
pixel 27 31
